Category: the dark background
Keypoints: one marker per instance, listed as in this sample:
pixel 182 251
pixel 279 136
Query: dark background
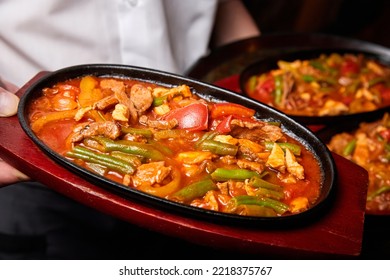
pixel 366 20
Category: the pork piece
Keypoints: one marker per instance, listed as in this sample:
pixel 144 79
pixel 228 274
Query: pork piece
pixel 150 174
pixel 276 159
pixel 141 97
pixel 257 134
pixel 119 89
pixel 120 113
pixel 252 150
pixel 293 167
pixel 247 164
pixel 106 102
pixel 81 112
pixel 108 129
pixel 159 124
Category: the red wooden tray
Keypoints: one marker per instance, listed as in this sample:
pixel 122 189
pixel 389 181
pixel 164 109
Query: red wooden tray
pixel 336 234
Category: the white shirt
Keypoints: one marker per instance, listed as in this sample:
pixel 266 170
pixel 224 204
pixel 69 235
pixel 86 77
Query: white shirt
pixel 38 35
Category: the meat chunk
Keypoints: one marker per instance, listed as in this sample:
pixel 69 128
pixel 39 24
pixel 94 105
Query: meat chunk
pixel 108 129
pixel 119 89
pixel 247 164
pixel 120 113
pixel 159 124
pixel 141 97
pixel 293 167
pixel 150 174
pixel 106 102
pixel 265 133
pixel 276 159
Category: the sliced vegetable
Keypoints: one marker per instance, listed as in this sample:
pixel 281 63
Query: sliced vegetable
pixel 223 174
pixel 278 92
pixel 88 93
pixel 193 117
pixel 296 149
pixel 224 125
pixel 383 189
pixel 165 190
pixel 257 182
pixel 276 205
pixel 219 148
pixel 194 190
pixel 226 109
pixel 37 125
pixel 209 135
pixel 111 162
pixel 147 133
pixel 350 147
pixel 136 148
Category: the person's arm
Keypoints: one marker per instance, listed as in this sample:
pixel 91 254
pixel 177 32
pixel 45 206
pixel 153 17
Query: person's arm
pixel 233 23
pixel 8 107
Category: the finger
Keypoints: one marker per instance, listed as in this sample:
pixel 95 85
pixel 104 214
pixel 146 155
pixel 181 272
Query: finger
pixel 10 175
pixel 8 86
pixel 8 103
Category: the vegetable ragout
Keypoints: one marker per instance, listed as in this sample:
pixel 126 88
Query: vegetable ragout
pixel 173 144
pixel 328 85
pixel 369 147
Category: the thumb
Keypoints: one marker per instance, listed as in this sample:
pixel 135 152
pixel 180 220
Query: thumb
pixel 10 175
pixel 8 103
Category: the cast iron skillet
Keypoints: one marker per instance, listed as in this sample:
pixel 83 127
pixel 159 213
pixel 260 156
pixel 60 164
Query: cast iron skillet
pixel 270 63
pixel 206 91
pixel 232 58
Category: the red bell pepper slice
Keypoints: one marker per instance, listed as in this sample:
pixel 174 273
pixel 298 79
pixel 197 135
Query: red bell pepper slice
pixel 224 125
pixel 263 91
pixel 349 67
pixel 385 134
pixel 225 109
pixel 193 117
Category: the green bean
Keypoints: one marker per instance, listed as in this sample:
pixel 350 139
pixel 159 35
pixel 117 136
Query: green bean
pixel 375 81
pixel 276 205
pixel 263 192
pixel 294 148
pixel 194 190
pixel 257 182
pixel 275 123
pixel 252 83
pixel 131 147
pixel 278 89
pixel 219 148
pixel 173 133
pixel 317 64
pixel 158 101
pixel 207 136
pixel 266 189
pixel 383 189
pixel 223 174
pixel 349 148
pixel 103 159
pixel 132 159
pixel 147 133
pixel 308 78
